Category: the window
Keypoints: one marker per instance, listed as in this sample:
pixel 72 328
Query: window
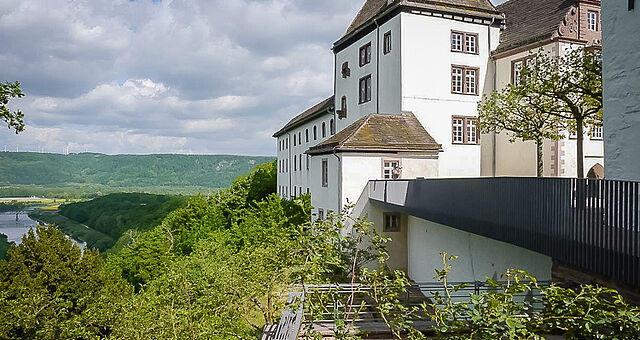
pixel 295 163
pixel 300 162
pixel 596 132
pixel 365 54
pixel 464 42
pixel 346 71
pixel 456 42
pixel 321 214
pixel 391 169
pixel 306 134
pixel 324 130
pixel 294 191
pixel 464 130
pixel 387 43
pixel 632 5
pixel 307 162
pixel 592 20
pixel 294 139
pixel 391 222
pixel 300 138
pixel 325 172
pixel 342 113
pixel 365 89
pixel 516 68
pixel 464 80
pixel 315 133
pixel 332 127
pixel 286 143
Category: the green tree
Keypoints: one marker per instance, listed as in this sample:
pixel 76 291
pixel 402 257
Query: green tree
pixel 568 87
pixel 4 246
pixel 50 289
pixel 517 112
pixel 15 119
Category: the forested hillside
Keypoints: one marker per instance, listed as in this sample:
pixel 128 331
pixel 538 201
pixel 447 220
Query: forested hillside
pixel 60 175
pixel 103 220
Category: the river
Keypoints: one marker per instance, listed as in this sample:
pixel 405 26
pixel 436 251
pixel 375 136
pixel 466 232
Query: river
pixel 15 228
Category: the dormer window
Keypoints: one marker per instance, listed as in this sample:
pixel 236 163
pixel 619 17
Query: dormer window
pixel 592 20
pixel 464 42
pixel 346 72
pixel 365 54
pixel 342 113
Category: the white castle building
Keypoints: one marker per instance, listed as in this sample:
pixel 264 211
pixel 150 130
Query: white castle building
pixel 408 77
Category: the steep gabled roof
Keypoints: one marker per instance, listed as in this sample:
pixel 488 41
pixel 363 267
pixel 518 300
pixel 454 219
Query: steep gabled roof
pixel 530 21
pixel 381 133
pixel 369 10
pixel 307 115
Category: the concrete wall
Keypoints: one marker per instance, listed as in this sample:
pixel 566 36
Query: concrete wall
pixel 621 81
pixel 479 257
pixel 426 83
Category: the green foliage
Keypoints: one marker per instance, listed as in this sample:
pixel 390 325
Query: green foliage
pixel 81 175
pixel 4 246
pixel 569 88
pixel 15 119
pixel 515 110
pixel 50 289
pixel 93 238
pixel 116 213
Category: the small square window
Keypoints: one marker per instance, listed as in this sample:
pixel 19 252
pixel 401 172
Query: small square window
pixel 596 133
pixel 391 222
pixel 365 54
pixel 387 43
pixel 391 169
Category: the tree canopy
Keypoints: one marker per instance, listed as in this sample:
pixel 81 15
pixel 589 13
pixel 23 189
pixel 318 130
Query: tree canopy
pixel 14 119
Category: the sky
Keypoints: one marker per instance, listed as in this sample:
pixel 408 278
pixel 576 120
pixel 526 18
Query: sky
pixel 166 76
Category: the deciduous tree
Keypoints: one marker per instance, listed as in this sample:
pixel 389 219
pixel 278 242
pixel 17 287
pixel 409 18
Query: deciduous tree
pixel 15 119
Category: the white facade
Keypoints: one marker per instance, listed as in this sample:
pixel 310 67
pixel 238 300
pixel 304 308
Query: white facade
pixel 621 81
pixel 415 76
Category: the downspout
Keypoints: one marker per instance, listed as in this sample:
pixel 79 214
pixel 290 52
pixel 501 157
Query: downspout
pixel 339 182
pixel 377 66
pixel 495 84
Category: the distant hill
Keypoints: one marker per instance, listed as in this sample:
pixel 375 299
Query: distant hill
pixel 69 175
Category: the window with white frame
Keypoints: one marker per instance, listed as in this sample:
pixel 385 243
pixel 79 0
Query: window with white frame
pixel 321 214
pixel 464 130
pixel 516 68
pixel 596 132
pixel 391 222
pixel 464 42
pixel 472 131
pixel 325 172
pixel 456 41
pixel 391 169
pixel 365 54
pixel 592 20
pixel 464 80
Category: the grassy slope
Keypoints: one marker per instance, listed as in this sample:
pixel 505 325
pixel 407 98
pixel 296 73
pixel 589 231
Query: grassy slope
pixel 84 174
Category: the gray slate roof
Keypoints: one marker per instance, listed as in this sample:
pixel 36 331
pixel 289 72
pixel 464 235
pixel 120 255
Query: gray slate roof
pixel 530 21
pixel 381 133
pixel 307 115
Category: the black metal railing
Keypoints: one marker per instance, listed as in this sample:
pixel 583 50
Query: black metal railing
pixel 590 224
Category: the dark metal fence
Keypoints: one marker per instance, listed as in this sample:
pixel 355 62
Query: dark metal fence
pixel 590 224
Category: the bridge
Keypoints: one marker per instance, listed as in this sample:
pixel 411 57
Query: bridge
pixel 591 225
